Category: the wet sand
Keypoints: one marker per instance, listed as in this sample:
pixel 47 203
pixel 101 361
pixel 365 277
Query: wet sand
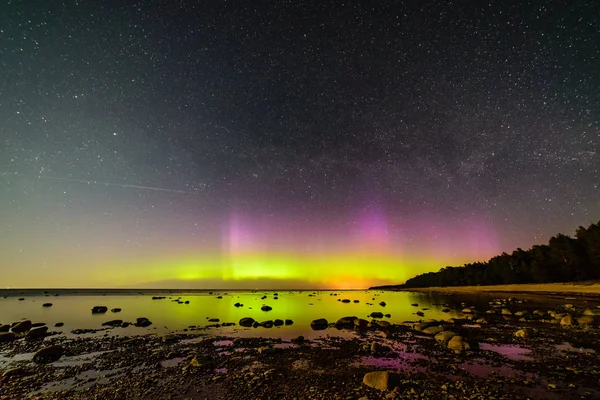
pixel 511 348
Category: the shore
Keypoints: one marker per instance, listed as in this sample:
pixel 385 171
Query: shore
pixel 588 288
pixel 501 348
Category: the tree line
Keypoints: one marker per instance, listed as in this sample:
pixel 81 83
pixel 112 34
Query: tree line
pixel 563 259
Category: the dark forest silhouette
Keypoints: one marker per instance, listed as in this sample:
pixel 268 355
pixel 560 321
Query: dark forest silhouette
pixel 563 259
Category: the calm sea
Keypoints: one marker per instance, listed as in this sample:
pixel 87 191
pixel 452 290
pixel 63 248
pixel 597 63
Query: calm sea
pixel 73 308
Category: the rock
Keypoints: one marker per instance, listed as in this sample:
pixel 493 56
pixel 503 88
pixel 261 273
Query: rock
pixel 48 354
pixel 125 324
pixel 422 326
pixel 415 304
pixel 345 322
pixel 266 308
pixel 246 322
pixel 319 324
pixel 6 337
pixel 433 330
pixel 445 309
pixel 298 340
pixel 360 323
pixel 37 333
pixel 444 336
pixel 198 362
pixel 116 310
pixel 382 324
pixel 213 320
pixel 569 306
pixel 99 309
pixel 420 313
pixel 585 320
pixel 567 320
pixel 382 380
pixel 169 339
pixel 376 314
pixel 590 312
pixel 468 311
pixel 238 305
pixel 143 322
pixel 458 344
pixel 539 313
pixel 113 323
pixel 357 301
pixel 376 349
pixel 345 300
pixel 278 322
pixel 288 322
pixel 47 305
pixel 21 298
pixel 523 333
pixel 14 372
pixel 382 304
pixel 38 324
pixel 4 328
pixel 266 324
pixel 506 311
pixel 59 324
pixel 21 326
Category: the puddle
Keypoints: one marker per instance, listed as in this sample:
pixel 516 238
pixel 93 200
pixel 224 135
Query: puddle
pixel 569 348
pixel 6 362
pixel 481 369
pixel 512 352
pixel 400 363
pixel 77 361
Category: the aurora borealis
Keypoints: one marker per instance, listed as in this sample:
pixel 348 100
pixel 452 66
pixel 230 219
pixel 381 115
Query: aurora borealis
pixel 301 145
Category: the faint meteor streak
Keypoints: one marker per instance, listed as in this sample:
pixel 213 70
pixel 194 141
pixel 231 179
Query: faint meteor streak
pixel 123 185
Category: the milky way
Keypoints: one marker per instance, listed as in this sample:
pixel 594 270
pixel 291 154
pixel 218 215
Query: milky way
pixel 325 145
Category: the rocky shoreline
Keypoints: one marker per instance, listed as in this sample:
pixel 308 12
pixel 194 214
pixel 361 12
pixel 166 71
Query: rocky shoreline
pixel 512 348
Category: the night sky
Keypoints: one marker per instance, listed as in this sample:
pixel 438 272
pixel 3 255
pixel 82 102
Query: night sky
pixel 247 144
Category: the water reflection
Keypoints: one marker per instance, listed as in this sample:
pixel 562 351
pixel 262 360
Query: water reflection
pixel 180 311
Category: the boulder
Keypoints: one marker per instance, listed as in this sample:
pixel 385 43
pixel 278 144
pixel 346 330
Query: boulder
pixel 468 311
pixel 345 322
pixel 433 330
pixel 143 322
pixel 415 304
pixel 266 324
pixel 523 333
pixel 21 326
pixel 116 310
pixel 506 311
pixel 319 324
pixel 420 313
pixel 99 309
pixel 37 333
pixel 376 314
pixel 360 323
pixel 246 322
pixel 444 336
pixel 59 324
pixel 288 322
pixel 567 320
pixel 266 308
pixel 590 312
pixel 37 324
pixel 6 337
pixel 345 300
pixel 278 322
pixel 382 380
pixel 382 303
pixel 47 305
pixel 357 301
pixel 213 320
pixel 125 324
pixel 585 320
pixel 113 323
pixel 458 344
pixel 298 340
pixel 422 326
pixel 4 328
pixel 48 354
pixel 445 309
pixel 238 305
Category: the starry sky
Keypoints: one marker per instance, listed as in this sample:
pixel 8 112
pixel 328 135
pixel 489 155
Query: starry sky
pixel 290 144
